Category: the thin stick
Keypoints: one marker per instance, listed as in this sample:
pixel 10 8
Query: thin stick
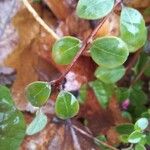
pixel 93 138
pixel 84 47
pixel 39 19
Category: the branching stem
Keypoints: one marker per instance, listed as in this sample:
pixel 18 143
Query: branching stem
pixel 83 48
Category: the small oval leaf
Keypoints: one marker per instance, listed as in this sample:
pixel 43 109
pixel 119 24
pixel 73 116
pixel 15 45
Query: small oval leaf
pixel 109 52
pixel 94 9
pixel 133 30
pixel 135 137
pixel 103 92
pixel 12 123
pixel 125 128
pixel 38 93
pixel 65 49
pixel 37 124
pixel 66 105
pixel 141 124
pixel 110 75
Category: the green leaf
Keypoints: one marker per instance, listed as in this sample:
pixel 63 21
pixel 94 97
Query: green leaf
pixel 66 105
pixel 148 139
pixel 135 137
pixel 103 92
pixel 94 9
pixel 126 115
pixel 133 30
pixel 143 61
pixel 127 128
pixel 12 124
pixel 38 93
pixel 65 49
pixel 124 138
pixel 146 114
pixel 139 147
pixel 123 93
pixel 99 139
pixel 5 96
pixel 109 51
pixel 82 94
pixel 110 75
pixel 143 140
pixel 137 97
pixel 37 124
pixel 141 124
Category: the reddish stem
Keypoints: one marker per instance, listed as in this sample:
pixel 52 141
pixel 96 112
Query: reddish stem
pixel 83 48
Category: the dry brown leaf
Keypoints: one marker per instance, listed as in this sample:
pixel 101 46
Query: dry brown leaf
pixel 59 135
pixel 110 27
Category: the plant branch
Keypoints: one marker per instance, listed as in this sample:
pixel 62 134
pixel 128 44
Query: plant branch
pixel 84 47
pixel 39 19
pixel 93 138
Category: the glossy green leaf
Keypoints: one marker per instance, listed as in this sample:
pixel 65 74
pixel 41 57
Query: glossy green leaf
pixel 125 128
pixel 38 93
pixel 135 137
pixel 38 123
pixel 109 52
pixel 5 96
pixel 140 147
pixel 12 124
pixel 66 105
pixel 110 75
pixel 82 94
pixel 141 124
pixel 133 30
pixel 103 92
pixel 94 9
pixel 65 49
